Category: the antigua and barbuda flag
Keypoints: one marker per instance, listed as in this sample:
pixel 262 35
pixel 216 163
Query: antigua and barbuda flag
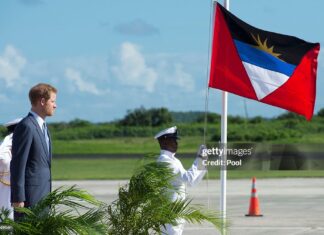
pixel 272 68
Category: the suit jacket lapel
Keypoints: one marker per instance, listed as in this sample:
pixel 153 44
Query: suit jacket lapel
pixel 41 135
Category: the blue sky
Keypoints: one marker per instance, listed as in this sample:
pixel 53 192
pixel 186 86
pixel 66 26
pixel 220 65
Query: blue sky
pixel 108 56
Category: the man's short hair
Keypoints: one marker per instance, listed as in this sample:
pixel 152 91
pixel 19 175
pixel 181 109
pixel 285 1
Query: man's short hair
pixel 41 90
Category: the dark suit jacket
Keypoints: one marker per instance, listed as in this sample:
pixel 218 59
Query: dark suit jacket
pixel 30 166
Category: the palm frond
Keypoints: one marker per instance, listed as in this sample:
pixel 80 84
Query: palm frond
pixel 62 196
pixel 62 212
pixel 144 204
pixel 196 214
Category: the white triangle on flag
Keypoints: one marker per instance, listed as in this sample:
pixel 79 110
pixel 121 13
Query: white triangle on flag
pixel 264 81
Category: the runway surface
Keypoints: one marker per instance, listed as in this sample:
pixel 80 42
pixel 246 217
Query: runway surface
pixel 293 206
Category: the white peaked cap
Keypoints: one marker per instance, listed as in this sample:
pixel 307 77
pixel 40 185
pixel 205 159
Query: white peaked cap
pixel 168 133
pixel 13 122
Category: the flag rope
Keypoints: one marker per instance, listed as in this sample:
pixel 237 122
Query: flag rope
pixel 207 94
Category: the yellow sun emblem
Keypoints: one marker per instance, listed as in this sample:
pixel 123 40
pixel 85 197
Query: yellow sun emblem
pixel 264 47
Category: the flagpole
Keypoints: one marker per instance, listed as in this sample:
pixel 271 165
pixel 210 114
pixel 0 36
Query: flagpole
pixel 223 172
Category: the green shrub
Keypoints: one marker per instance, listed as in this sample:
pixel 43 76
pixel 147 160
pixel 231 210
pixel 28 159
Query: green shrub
pixel 146 117
pixel 235 119
pixel 3 132
pixel 320 113
pixel 257 119
pixel 290 115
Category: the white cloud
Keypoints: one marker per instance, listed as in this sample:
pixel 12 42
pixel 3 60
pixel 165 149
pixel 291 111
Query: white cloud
pixel 133 70
pixel 82 85
pixel 11 65
pixel 173 74
pixel 181 78
pixel 157 80
pixel 96 67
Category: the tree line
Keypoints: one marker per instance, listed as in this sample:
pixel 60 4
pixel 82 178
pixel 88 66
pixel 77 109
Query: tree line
pixel 143 122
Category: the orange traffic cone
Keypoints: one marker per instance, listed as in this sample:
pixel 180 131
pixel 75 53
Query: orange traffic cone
pixel 254 201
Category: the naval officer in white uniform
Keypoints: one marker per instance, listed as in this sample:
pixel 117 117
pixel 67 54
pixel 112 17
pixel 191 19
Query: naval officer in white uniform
pixel 5 158
pixel 169 145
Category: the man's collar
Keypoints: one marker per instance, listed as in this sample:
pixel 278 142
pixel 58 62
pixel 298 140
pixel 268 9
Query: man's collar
pixel 168 153
pixel 39 120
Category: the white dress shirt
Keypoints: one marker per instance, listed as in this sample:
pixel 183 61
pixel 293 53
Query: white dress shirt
pixel 39 120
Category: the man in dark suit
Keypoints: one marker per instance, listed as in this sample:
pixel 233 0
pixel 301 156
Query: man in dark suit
pixel 31 150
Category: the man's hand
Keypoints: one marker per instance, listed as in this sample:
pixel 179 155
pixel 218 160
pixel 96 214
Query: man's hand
pixel 202 153
pixel 18 204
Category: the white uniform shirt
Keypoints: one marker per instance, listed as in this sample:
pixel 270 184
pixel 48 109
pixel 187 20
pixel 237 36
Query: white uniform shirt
pixel 5 158
pixel 191 176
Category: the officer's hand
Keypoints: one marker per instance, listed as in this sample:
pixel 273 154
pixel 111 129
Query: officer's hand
pixel 18 204
pixel 202 152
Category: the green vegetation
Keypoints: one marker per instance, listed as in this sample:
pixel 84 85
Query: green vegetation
pixel 66 169
pixel 151 117
pixel 321 113
pixel 286 128
pixel 129 145
pixel 134 135
pixel 126 145
pixel 79 169
pixel 145 145
pixel 48 217
pixel 143 206
pixel 256 130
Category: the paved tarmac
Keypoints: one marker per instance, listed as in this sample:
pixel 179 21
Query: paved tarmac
pixel 290 206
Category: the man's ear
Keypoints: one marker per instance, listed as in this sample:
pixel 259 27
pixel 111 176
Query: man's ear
pixel 42 101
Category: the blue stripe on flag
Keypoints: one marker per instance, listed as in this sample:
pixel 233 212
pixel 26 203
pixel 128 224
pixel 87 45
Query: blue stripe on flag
pixel 263 59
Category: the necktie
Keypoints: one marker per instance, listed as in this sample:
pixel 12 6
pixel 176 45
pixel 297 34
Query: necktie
pixel 46 135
